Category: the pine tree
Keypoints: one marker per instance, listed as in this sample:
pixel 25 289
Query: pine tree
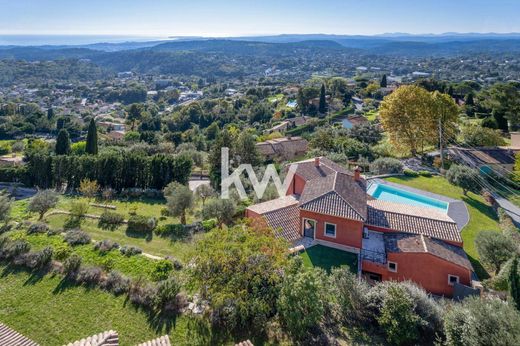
pixel 383 83
pixel 92 145
pixel 469 99
pixel 323 101
pixel 50 113
pixel 63 143
pixel 514 283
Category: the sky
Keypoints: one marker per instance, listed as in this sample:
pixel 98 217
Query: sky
pixel 160 18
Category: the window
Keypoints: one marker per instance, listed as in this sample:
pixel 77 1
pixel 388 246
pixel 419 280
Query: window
pixel 330 230
pixel 452 279
pixel 392 266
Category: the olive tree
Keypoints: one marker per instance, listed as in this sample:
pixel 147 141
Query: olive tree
pixel 494 248
pixel 179 200
pixel 42 202
pixel 464 177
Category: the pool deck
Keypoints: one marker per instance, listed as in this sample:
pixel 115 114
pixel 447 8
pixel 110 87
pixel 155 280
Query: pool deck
pixel 457 210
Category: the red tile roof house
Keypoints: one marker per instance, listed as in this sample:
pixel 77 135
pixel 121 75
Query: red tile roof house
pixel 328 205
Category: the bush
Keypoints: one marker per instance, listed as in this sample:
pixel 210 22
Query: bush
pixel 90 276
pixel 116 283
pixel 62 252
pixel 105 246
pixel 209 224
pixel 72 222
pixel 129 250
pixel 77 237
pixel 161 270
pixel 494 248
pixel 410 173
pixel 386 165
pixel 142 294
pixel 38 227
pixel 110 220
pixel 176 231
pixel 54 231
pixel 166 296
pixel 40 259
pixel 11 249
pixel 482 322
pixel 72 265
pixel 425 173
pixel 140 224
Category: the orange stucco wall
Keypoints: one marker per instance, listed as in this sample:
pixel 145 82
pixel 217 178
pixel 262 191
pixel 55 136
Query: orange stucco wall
pixel 426 270
pixel 296 186
pixel 348 232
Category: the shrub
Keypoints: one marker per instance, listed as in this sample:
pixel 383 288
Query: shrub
pixel 129 250
pixel 142 294
pixel 105 246
pixel 410 173
pixel 77 237
pixel 425 173
pixel 72 222
pixel 176 231
pixel 78 209
pixel 54 231
pixel 166 296
pixel 302 301
pixel 110 220
pixel 209 224
pixel 386 165
pixel 44 257
pixel 140 224
pixel 38 227
pixel 72 265
pixel 494 248
pixel 161 270
pixel 482 322
pixel 397 317
pixel 116 283
pixel 89 276
pixel 11 249
pixel 177 265
pixel 62 252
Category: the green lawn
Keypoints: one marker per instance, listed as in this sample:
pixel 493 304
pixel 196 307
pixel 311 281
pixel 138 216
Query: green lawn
pixel 50 313
pixel 328 258
pixel 482 216
pixel 152 244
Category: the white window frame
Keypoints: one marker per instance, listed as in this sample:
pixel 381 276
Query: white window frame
pixel 453 276
pixel 325 230
pixel 390 269
pixel 315 226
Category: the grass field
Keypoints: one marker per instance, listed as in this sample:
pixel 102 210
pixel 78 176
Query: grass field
pixel 50 313
pixel 482 216
pixel 328 258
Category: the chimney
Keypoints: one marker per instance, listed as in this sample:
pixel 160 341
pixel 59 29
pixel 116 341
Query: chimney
pixel 357 173
pixel 316 161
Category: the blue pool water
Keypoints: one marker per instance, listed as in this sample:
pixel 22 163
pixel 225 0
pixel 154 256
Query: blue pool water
pixel 394 194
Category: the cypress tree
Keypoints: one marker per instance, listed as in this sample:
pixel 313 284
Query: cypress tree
pixel 323 101
pixel 514 284
pixel 63 143
pixel 383 83
pixel 92 145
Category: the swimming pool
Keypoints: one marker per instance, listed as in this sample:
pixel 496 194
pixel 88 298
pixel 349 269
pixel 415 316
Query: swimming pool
pixel 393 194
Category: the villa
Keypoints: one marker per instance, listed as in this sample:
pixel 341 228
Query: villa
pixel 330 206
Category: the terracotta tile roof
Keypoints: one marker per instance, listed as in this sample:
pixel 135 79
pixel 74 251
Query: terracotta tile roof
pixel 160 341
pixel 410 219
pixel 308 170
pixel 418 243
pixel 284 147
pixel 479 156
pixel 336 194
pixel 108 338
pixel 11 337
pixel 245 343
pixel 285 222
pixel 282 202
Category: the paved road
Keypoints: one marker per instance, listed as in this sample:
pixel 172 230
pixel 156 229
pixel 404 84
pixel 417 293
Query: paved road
pixel 511 209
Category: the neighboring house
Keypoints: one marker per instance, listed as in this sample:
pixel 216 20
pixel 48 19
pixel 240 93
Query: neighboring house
pixel 329 205
pixel 501 160
pixel 288 124
pixel 110 126
pixel 11 161
pixel 116 135
pixel 285 148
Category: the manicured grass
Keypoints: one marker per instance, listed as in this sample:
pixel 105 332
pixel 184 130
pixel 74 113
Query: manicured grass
pixel 328 258
pixel 51 313
pixel 482 216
